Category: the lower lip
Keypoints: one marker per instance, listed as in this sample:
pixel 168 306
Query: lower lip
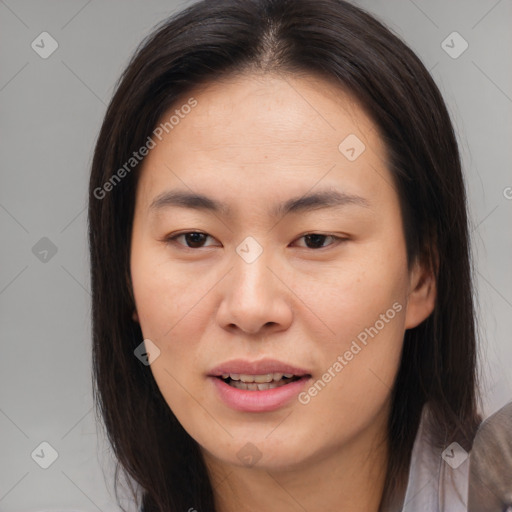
pixel 258 401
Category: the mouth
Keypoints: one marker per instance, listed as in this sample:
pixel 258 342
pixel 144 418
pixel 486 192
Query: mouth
pixel 258 386
pixel 261 382
pixel 279 391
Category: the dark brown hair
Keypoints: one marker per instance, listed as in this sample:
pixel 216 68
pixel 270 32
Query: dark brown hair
pixel 210 40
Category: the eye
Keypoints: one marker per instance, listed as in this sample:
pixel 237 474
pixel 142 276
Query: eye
pixel 193 239
pixel 196 239
pixel 314 240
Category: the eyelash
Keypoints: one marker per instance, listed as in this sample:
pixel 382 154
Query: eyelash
pixel 173 238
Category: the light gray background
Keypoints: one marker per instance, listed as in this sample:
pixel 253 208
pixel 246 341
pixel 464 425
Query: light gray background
pixel 51 111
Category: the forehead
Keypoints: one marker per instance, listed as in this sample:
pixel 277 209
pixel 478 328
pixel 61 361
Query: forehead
pixel 275 111
pixel 254 130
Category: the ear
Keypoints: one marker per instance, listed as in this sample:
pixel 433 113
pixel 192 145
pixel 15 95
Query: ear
pixel 135 316
pixel 422 294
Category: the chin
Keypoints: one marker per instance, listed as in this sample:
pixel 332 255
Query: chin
pixel 279 454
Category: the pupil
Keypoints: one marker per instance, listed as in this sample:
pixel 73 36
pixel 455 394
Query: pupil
pixel 194 237
pixel 316 238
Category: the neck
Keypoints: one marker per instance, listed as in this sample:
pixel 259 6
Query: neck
pixel 344 478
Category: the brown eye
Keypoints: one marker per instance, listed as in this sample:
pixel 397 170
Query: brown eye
pixel 193 239
pixel 316 240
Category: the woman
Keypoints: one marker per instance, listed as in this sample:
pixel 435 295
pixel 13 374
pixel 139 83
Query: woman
pixel 282 295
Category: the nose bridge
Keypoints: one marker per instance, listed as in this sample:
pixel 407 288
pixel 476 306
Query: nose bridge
pixel 253 297
pixel 252 279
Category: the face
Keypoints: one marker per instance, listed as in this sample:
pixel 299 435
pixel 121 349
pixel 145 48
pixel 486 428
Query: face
pixel 297 257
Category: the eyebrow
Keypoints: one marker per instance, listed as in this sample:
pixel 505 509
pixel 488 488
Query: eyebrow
pixel 319 200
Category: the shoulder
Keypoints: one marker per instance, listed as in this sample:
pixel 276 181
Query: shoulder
pixel 490 469
pixel 438 478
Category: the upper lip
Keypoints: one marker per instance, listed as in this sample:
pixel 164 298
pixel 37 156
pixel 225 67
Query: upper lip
pixel 261 367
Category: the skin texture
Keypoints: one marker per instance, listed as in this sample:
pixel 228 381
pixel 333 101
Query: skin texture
pixel 252 142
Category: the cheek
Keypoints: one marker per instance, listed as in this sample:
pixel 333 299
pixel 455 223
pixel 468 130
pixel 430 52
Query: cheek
pixel 351 295
pixel 358 368
pixel 363 304
pixel 170 310
pixel 164 296
pixel 153 297
pixel 174 308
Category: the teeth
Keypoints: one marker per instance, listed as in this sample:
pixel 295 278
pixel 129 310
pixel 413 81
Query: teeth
pixel 258 379
pixel 252 386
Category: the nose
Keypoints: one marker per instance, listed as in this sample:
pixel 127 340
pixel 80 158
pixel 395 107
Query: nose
pixel 255 298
